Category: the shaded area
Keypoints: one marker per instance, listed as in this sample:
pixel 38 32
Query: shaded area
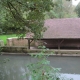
pixel 62 43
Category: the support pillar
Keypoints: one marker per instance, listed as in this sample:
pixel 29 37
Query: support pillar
pixel 28 43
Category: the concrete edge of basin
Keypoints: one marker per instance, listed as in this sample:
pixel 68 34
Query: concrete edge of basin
pixel 9 50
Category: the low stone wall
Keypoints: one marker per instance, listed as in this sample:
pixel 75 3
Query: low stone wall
pixel 22 42
pixel 19 42
pixel 1 43
pixel 23 50
pixel 13 49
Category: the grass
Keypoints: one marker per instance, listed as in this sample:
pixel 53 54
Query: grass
pixel 4 37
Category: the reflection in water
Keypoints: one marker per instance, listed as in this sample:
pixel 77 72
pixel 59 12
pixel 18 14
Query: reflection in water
pixel 15 68
pixel 71 76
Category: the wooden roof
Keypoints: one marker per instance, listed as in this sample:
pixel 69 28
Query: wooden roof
pixel 67 28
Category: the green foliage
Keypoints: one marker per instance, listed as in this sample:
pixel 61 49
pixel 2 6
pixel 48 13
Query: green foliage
pixel 23 16
pixel 57 11
pixel 4 37
pixel 77 9
pixel 1 31
pixel 41 70
pixel 62 9
pixel 0 50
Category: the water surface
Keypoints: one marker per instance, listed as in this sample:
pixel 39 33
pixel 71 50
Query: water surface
pixel 14 67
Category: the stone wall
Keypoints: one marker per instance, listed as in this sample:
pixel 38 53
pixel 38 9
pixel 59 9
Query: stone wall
pixel 17 42
pixel 20 42
pixel 1 43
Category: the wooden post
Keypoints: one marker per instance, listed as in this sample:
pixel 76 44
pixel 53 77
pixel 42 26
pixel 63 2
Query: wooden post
pixel 28 43
pixel 58 46
pixel 60 42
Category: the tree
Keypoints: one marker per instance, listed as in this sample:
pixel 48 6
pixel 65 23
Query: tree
pixel 57 11
pixel 77 9
pixel 23 16
pixel 62 9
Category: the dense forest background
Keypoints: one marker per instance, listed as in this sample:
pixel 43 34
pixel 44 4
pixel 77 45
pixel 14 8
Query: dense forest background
pixel 21 16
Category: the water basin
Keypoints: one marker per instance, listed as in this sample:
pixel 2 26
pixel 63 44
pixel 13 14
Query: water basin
pixel 13 67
